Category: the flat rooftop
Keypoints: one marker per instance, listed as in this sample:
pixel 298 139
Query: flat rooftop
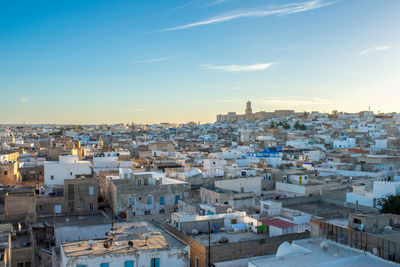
pixel 143 235
pixel 325 210
pixel 231 236
pixel 334 255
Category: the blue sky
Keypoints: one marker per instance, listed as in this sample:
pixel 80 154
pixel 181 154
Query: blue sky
pixel 178 61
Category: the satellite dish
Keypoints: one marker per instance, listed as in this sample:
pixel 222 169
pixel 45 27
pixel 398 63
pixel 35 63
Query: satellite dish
pixel 107 243
pixel 91 243
pixel 195 232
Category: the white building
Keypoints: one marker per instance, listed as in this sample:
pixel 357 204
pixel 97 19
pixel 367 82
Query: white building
pixel 133 244
pixel 346 143
pixel 369 198
pixel 68 167
pixel 317 252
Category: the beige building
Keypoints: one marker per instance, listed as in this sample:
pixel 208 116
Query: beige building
pixel 20 205
pixel 81 195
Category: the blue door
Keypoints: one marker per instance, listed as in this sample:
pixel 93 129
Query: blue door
pixel 155 262
pixel 129 264
pixel 176 199
pixel 162 200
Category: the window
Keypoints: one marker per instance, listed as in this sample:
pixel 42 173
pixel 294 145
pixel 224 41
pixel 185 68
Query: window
pixel 139 182
pixel 176 199
pixel 52 177
pixel 5 173
pixel 91 190
pixel 91 206
pixel 129 264
pixel 196 263
pixel 81 265
pixel 162 200
pixel 131 201
pixel 28 264
pixel 104 265
pixel 155 262
pixel 149 200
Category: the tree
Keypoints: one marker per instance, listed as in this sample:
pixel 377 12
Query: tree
pixel 390 204
pixel 272 125
pixel 286 126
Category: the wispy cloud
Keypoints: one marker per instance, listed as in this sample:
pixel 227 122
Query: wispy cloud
pixel 375 49
pixel 240 68
pixel 217 2
pixel 182 6
pixel 24 100
pixel 256 13
pixel 154 60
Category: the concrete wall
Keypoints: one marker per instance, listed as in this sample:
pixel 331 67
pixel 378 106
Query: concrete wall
pixel 293 188
pixel 201 226
pixel 81 232
pixel 45 205
pixel 250 184
pixel 362 199
pixel 299 200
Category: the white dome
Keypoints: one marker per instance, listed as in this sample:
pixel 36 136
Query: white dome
pixel 286 249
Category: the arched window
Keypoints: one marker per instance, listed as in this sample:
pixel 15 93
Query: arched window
pixel 149 200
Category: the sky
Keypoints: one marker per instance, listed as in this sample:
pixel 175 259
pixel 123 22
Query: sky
pixel 102 61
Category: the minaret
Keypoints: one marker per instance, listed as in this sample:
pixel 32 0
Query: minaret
pixel 248 112
pixel 100 143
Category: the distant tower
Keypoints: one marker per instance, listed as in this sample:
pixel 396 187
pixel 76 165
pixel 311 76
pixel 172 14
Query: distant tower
pixel 100 143
pixel 248 112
